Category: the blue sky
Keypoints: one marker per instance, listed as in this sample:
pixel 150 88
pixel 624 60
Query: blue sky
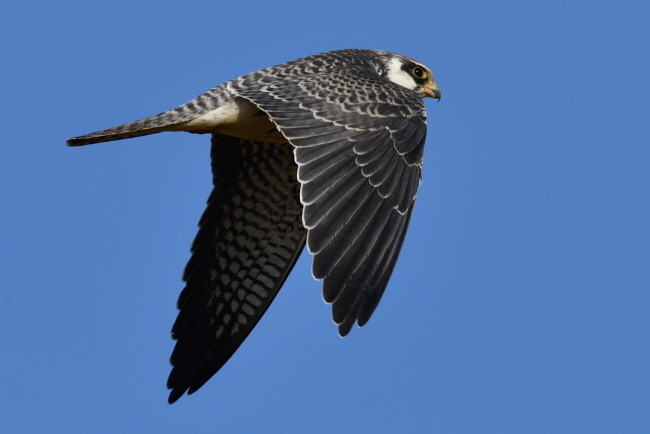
pixel 520 302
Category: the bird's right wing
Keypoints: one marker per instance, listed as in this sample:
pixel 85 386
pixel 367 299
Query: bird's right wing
pixel 249 239
pixel 359 142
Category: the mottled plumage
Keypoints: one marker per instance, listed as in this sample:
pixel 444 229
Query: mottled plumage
pixel 325 150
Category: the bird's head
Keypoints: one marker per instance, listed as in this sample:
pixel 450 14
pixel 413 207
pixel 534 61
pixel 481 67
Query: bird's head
pixel 412 75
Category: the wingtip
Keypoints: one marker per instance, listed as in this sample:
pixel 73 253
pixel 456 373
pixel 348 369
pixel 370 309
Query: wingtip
pixel 344 328
pixel 176 393
pixel 174 396
pixel 172 384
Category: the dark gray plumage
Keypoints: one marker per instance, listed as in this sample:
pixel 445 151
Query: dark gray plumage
pixel 325 150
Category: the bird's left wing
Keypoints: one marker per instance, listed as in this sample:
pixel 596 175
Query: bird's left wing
pixel 249 239
pixel 359 142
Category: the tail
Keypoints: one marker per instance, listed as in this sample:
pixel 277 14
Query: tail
pixel 173 120
pixel 167 121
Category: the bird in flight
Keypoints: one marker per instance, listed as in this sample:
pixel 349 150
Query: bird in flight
pixel 325 151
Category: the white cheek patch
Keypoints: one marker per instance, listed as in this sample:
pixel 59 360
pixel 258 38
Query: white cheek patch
pixel 398 76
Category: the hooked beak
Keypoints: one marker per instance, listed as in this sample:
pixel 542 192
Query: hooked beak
pixel 431 89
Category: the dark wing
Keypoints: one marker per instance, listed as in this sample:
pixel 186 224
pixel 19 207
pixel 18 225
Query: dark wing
pixel 359 142
pixel 249 239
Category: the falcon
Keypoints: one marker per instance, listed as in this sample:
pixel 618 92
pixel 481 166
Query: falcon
pixel 325 151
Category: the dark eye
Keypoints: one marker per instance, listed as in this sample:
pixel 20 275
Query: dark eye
pixel 419 73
